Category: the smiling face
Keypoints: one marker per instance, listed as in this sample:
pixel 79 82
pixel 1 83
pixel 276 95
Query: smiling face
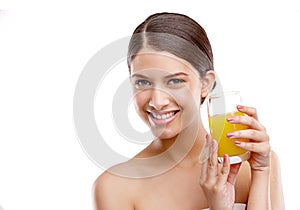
pixel 167 92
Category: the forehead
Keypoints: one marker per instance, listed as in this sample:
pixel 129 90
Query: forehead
pixel 164 62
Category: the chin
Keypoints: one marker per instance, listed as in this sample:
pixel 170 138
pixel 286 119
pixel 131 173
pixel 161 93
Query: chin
pixel 164 133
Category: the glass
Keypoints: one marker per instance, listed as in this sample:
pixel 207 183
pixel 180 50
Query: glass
pixel 220 107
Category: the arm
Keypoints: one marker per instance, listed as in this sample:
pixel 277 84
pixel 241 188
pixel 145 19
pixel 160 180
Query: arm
pixel 217 179
pixel 277 198
pixel 266 190
pixel 259 195
pixel 266 187
pixel 111 193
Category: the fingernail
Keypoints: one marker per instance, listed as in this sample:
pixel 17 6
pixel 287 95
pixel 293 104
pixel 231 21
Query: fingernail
pixel 226 157
pixel 240 107
pixel 230 119
pixel 230 135
pixel 214 145
pixel 238 143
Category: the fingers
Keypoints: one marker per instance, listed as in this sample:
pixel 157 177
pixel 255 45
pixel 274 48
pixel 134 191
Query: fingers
pixel 261 148
pixel 249 121
pixel 259 139
pixel 203 160
pixel 234 169
pixel 225 168
pixel 254 135
pixel 209 159
pixel 256 131
pixel 213 160
pixel 212 172
pixel 209 162
pixel 259 144
pixel 213 153
pixel 228 172
pixel 251 111
pixel 205 153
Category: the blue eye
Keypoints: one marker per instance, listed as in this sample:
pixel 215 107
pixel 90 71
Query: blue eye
pixel 142 83
pixel 175 81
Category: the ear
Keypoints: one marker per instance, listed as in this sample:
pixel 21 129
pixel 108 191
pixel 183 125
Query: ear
pixel 207 83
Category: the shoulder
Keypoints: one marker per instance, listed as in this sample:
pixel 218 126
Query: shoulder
pixel 111 191
pixel 107 180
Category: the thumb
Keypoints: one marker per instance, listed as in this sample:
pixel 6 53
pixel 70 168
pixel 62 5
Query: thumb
pixel 234 169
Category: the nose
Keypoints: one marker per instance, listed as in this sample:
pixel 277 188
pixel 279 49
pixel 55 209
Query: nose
pixel 159 99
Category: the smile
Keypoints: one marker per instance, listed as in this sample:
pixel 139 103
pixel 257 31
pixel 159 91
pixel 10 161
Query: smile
pixel 162 118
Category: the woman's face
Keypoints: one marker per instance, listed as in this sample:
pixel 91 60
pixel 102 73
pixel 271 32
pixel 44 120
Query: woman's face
pixel 167 92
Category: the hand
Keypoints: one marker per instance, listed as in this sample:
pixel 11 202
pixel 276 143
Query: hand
pixel 217 180
pixel 259 145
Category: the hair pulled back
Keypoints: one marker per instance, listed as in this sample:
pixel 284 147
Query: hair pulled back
pixel 177 34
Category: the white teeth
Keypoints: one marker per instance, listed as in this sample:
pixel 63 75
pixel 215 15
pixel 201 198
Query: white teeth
pixel 163 116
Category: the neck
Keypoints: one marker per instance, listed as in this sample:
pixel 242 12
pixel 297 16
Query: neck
pixel 182 151
pixel 186 146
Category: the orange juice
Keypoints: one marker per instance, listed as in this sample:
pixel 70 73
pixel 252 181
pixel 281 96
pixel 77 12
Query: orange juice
pixel 219 127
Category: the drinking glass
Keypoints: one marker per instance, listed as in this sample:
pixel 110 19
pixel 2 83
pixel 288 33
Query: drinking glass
pixel 220 107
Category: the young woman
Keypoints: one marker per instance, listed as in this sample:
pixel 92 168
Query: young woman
pixel 171 69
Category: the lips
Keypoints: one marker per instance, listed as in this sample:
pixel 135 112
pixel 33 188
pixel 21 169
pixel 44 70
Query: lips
pixel 162 118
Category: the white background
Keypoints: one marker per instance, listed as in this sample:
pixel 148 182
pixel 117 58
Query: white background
pixel 45 45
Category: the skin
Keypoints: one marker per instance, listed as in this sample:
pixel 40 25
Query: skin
pixel 165 84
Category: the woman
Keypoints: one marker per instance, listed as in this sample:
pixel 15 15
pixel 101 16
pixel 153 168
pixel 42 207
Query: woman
pixel 171 69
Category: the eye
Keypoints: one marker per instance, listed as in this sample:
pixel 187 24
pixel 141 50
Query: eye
pixel 175 81
pixel 142 83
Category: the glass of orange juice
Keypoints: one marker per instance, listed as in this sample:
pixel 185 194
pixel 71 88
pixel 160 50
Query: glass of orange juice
pixel 220 107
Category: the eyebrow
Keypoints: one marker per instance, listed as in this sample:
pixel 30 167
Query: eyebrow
pixel 139 75
pixel 176 74
pixel 168 76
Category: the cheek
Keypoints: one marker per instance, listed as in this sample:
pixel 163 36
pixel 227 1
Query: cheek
pixel 140 100
pixel 196 93
pixel 187 97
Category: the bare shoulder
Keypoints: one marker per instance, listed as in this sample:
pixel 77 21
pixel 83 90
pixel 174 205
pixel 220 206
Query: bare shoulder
pixel 108 182
pixel 112 192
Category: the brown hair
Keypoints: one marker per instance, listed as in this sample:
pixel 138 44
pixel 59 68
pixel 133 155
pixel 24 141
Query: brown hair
pixel 177 34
